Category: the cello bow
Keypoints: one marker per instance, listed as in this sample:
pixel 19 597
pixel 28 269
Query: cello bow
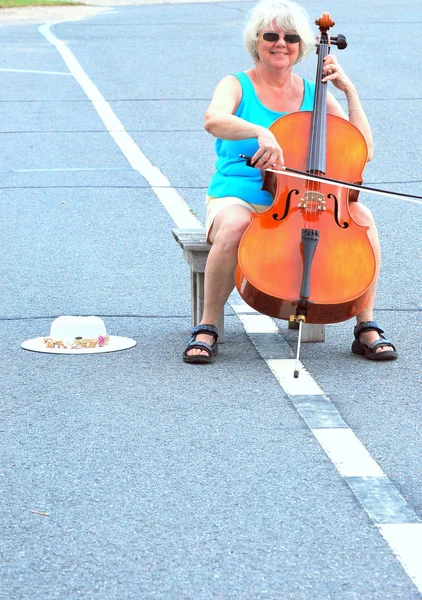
pixel 344 184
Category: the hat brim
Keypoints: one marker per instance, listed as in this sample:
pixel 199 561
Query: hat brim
pixel 115 344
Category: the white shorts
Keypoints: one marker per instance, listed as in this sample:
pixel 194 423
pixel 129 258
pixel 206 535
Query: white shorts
pixel 214 205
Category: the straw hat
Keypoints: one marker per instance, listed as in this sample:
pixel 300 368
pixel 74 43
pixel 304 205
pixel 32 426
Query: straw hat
pixel 78 335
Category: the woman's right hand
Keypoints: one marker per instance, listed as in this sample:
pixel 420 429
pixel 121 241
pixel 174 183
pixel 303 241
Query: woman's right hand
pixel 269 154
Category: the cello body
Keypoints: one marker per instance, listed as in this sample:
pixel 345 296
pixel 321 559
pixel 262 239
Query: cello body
pixel 305 258
pixel 271 258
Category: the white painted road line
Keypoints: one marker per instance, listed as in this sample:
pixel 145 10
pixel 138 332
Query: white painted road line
pixel 396 520
pixel 347 452
pixel 62 170
pixel 37 72
pixel 170 198
pixel 406 542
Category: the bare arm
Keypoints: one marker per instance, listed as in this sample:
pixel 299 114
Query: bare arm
pixel 221 122
pixel 356 112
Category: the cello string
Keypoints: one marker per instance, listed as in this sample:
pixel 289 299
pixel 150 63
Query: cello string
pixel 310 185
pixel 323 139
pixel 320 109
pixel 312 153
pixel 316 131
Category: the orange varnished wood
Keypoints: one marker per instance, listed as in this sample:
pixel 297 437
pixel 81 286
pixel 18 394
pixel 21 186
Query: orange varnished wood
pixel 270 265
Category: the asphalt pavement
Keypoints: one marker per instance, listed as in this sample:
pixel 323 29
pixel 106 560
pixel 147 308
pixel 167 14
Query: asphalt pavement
pixel 131 474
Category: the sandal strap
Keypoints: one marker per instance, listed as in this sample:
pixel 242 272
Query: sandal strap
pixel 382 342
pixel 205 328
pixel 367 326
pixel 200 346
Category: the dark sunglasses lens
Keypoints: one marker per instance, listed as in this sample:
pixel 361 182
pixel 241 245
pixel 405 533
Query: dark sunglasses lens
pixel 271 36
pixel 291 38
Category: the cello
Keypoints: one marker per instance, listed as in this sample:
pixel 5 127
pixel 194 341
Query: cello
pixel 305 258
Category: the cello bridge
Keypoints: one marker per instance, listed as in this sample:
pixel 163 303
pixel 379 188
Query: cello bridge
pixel 313 201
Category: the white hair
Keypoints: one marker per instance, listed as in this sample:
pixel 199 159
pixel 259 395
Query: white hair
pixel 287 15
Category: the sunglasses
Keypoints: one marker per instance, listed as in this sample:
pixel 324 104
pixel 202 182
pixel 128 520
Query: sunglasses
pixel 289 38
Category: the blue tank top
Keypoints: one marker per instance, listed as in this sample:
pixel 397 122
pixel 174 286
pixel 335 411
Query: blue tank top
pixel 233 177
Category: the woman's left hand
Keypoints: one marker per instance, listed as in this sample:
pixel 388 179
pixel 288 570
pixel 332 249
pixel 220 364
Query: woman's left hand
pixel 333 72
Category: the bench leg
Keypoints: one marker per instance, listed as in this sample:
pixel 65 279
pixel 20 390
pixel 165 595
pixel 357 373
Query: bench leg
pixel 220 327
pixel 310 332
pixel 197 303
pixel 196 296
pixel 313 333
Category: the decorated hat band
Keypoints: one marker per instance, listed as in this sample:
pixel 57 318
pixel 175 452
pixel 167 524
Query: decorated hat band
pixel 78 335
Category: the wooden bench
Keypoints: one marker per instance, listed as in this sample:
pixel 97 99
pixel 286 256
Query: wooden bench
pixel 195 252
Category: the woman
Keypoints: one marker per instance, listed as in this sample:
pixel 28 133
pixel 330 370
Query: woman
pixel 243 106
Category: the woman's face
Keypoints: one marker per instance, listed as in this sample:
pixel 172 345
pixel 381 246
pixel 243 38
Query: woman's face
pixel 281 52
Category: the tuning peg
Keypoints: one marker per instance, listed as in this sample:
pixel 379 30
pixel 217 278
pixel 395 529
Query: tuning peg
pixel 340 41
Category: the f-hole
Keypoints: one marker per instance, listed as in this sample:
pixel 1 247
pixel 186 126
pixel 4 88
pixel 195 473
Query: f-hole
pixel 286 210
pixel 345 224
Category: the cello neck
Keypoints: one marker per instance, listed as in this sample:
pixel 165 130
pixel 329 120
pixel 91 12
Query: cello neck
pixel 318 139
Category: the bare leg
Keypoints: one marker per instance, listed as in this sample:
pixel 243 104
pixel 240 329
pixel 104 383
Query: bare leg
pixel 227 230
pixel 363 216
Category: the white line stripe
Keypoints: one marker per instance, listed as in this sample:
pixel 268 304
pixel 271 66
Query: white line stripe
pixel 177 208
pixel 282 368
pixel 170 198
pixel 347 452
pixel 61 170
pixel 406 542
pixel 257 323
pixel 304 385
pixel 37 72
